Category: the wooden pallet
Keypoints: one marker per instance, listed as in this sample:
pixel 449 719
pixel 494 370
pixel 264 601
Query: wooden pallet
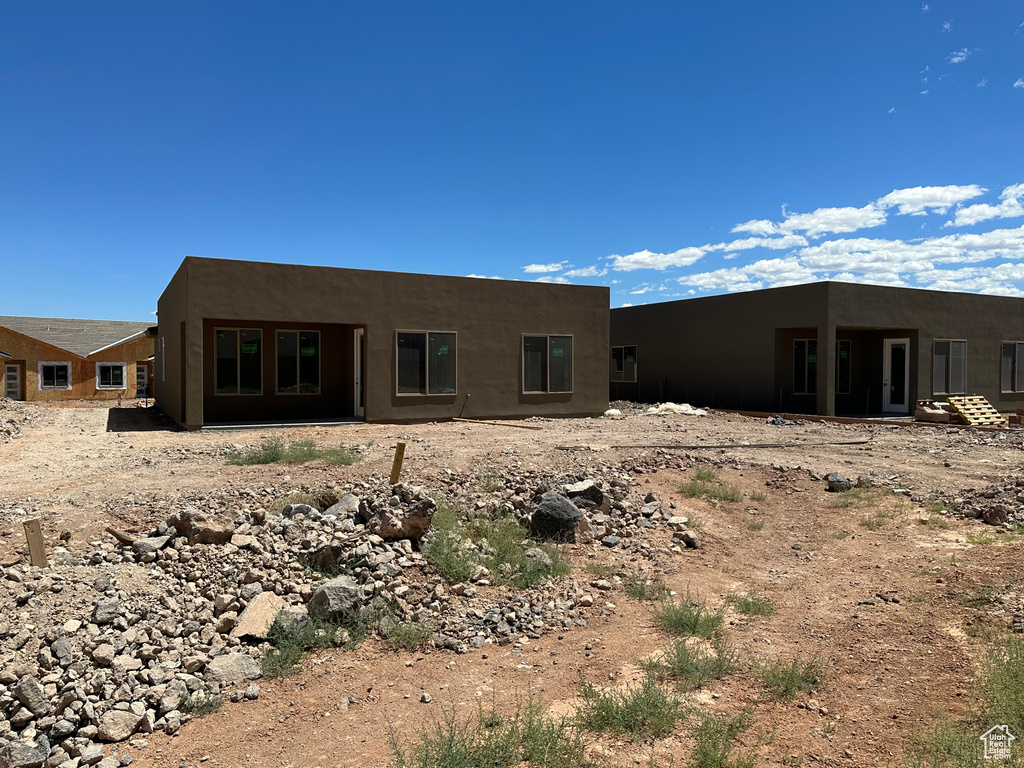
pixel 976 411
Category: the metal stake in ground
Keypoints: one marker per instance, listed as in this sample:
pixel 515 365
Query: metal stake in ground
pixel 36 546
pixel 396 467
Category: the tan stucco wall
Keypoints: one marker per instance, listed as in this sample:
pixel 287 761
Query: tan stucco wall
pixel 28 353
pixel 489 316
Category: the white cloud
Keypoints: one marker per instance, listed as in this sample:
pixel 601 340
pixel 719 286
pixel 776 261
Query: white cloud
pixel 819 222
pixel 553 267
pixel 586 272
pixel 947 26
pixel 641 289
pixel 918 200
pixel 627 304
pixel 1009 207
pixel 892 110
pixel 924 92
pixel 982 83
pixel 645 259
pixel 925 8
pixel 550 279
pixel 758 227
pixel 959 57
pixel 487 277
pixel 1019 83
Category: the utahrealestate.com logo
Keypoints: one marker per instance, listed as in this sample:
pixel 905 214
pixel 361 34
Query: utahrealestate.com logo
pixel 998 742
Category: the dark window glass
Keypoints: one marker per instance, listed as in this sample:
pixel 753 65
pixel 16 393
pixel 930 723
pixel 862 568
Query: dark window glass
pixel 560 365
pixel 55 377
pixel 287 362
pixel 441 361
pixel 940 368
pixel 250 362
pixel 844 371
pixel 616 363
pixel 629 363
pixel 958 367
pixel 112 376
pixel 535 363
pixel 309 362
pixel 812 366
pixel 412 358
pixel 226 372
pixel 1018 380
pixel 799 366
pixel 1008 378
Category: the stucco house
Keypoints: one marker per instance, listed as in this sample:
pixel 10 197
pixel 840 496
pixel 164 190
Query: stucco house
pixel 827 348
pixel 250 342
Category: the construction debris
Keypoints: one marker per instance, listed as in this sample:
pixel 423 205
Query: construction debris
pixel 976 411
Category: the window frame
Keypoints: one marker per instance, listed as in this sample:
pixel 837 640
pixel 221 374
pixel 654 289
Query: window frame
pixel 426 364
pixel 522 364
pixel 807 378
pixel 298 362
pixel 1016 374
pixel 622 374
pixel 39 372
pixel 124 376
pixel 238 362
pixel 949 367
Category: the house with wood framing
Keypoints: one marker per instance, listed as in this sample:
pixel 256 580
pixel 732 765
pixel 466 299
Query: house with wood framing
pixel 47 358
pixel 826 348
pixel 250 342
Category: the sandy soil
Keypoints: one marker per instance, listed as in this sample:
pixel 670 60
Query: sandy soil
pixel 891 665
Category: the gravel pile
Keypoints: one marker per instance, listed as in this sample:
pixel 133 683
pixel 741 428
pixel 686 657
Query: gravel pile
pixel 1001 505
pixel 114 641
pixel 13 415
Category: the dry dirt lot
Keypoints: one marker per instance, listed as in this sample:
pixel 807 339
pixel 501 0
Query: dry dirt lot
pixel 863 584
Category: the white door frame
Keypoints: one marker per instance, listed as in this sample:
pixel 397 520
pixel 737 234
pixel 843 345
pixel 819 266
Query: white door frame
pixel 887 405
pixel 360 375
pixel 14 368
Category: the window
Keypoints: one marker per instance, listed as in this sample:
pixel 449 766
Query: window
pixel 1012 379
pixel 844 371
pixel 298 362
pixel 949 367
pixel 624 363
pixel 239 364
pixel 426 362
pixel 547 363
pixel 805 366
pixel 54 375
pixel 110 376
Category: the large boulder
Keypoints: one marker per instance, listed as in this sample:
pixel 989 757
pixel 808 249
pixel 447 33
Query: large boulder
pixel 30 693
pixel 149 545
pixel 201 529
pixel 837 482
pixel 347 506
pixel 586 495
pixel 555 518
pixel 259 616
pixel 22 753
pixel 411 522
pixel 117 725
pixel 335 599
pixel 233 668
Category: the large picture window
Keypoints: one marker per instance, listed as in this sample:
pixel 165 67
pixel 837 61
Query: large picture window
pixel 624 363
pixel 239 365
pixel 1012 375
pixel 54 375
pixel 426 363
pixel 110 376
pixel 949 367
pixel 805 366
pixel 547 363
pixel 298 362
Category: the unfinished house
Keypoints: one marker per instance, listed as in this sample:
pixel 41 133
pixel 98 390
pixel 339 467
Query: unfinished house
pixel 47 358
pixel 252 342
pixel 824 348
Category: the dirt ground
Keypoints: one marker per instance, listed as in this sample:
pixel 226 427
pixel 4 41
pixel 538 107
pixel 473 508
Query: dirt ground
pixel 883 599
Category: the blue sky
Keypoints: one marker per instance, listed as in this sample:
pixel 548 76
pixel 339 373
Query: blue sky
pixel 662 149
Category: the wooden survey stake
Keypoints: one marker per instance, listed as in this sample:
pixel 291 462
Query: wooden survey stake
pixel 396 468
pixel 36 546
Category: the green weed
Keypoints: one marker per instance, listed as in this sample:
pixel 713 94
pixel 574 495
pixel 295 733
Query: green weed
pixel 715 737
pixel 690 666
pixel 785 681
pixel 752 604
pixel 290 640
pixel 199 703
pixel 639 711
pixel 758 496
pixel 756 525
pixel 979 538
pixel 275 450
pixel 706 484
pixel 643 586
pixel 688 618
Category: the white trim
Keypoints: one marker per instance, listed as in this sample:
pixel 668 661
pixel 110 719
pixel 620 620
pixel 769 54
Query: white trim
pixel 39 373
pixel 122 341
pixel 124 376
pixel 6 356
pixel 887 346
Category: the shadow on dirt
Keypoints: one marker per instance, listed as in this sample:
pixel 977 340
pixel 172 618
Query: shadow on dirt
pixel 133 419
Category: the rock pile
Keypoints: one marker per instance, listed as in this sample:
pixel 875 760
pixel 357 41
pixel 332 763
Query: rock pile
pixel 117 640
pixel 13 415
pixel 1001 505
